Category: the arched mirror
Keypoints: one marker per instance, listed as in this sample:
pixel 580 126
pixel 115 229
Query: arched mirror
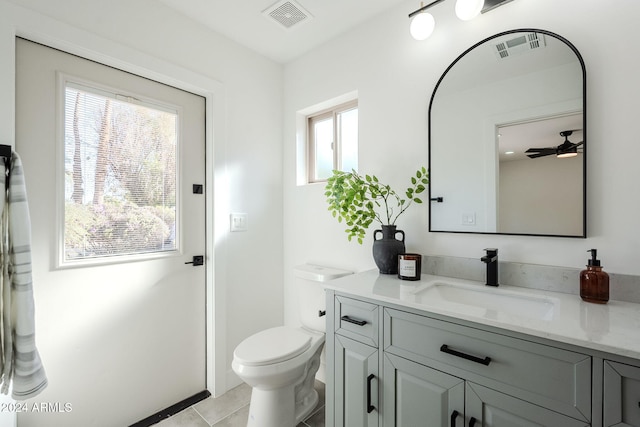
pixel 507 138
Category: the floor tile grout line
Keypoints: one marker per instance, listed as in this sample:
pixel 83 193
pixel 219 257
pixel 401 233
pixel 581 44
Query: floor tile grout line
pixel 226 416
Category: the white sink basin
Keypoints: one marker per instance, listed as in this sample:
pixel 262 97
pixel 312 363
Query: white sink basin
pixel 486 301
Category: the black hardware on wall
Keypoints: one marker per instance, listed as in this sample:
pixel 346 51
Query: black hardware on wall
pixel 437 199
pixel 472 422
pixel 197 260
pixel 5 153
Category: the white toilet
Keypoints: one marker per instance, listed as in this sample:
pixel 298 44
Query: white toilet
pixel 280 363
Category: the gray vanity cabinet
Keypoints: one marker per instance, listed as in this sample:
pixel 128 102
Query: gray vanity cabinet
pixel 416 395
pixel 490 408
pixel 356 382
pixel 355 364
pixel 621 394
pixel 397 368
pixel 552 378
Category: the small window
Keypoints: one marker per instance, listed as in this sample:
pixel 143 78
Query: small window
pixel 333 141
pixel 120 175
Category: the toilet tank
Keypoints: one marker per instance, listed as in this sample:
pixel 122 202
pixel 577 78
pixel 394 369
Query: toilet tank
pixel 309 280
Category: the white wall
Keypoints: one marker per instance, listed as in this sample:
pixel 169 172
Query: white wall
pixel 395 76
pixel 525 196
pixel 244 91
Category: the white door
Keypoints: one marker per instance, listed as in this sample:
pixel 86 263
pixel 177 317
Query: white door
pixel 121 336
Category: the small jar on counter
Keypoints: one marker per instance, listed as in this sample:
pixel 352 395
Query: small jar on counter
pixel 409 266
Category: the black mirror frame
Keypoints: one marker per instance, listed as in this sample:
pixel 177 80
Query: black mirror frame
pixel 433 199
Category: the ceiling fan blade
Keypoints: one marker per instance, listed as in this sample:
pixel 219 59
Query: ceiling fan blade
pixel 534 150
pixel 542 154
pixel 579 143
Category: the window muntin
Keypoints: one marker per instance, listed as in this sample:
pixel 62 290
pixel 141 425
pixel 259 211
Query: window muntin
pixel 120 175
pixel 333 141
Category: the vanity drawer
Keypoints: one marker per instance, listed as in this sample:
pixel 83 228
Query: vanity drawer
pixel 357 320
pixel 547 376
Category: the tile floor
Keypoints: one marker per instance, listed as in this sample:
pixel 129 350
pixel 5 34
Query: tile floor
pixel 232 410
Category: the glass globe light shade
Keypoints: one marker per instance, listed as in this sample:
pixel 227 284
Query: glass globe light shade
pixel 422 26
pixel 468 9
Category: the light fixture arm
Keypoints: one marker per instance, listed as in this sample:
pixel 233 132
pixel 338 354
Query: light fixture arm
pixel 423 8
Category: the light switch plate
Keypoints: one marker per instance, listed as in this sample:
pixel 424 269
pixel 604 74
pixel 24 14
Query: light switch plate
pixel 239 222
pixel 468 218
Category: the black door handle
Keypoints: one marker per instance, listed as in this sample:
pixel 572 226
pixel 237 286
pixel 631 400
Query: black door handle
pixel 370 407
pixel 472 422
pixel 354 321
pixel 197 260
pixel 445 349
pixel 454 415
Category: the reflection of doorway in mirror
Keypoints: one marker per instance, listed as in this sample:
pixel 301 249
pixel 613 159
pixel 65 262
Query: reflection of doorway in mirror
pixel 540 191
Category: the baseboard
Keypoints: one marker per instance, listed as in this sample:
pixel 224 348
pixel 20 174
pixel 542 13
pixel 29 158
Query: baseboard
pixel 233 380
pixel 172 410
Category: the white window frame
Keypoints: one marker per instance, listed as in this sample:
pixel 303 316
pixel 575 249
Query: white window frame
pixel 335 113
pixel 63 81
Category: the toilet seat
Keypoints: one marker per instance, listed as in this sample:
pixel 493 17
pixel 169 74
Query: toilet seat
pixel 272 346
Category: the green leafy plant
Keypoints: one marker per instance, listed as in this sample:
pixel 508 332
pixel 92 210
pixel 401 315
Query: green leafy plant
pixel 360 200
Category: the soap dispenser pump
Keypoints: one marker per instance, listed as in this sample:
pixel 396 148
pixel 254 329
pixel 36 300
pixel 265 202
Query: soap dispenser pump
pixel 594 283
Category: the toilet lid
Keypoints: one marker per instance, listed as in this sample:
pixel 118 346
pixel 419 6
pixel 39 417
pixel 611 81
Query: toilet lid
pixel 272 346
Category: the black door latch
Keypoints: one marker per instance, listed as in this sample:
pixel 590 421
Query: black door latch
pixel 197 260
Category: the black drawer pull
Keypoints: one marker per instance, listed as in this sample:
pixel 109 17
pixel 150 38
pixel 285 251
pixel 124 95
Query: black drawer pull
pixel 370 407
pixel 445 348
pixel 472 422
pixel 454 415
pixel 354 321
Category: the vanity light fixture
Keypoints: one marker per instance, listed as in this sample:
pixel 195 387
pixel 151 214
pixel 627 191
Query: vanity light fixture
pixel 423 23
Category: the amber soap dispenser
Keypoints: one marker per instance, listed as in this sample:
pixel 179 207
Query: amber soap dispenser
pixel 594 283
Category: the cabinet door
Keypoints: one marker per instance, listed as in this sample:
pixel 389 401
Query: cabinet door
pixel 621 395
pixel 416 395
pixel 356 384
pixel 490 408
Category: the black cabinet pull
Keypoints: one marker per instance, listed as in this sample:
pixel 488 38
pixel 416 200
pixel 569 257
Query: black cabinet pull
pixel 454 415
pixel 445 348
pixel 472 422
pixel 354 321
pixel 370 407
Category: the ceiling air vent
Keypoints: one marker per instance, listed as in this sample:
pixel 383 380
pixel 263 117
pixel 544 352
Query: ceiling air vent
pixel 287 13
pixel 519 44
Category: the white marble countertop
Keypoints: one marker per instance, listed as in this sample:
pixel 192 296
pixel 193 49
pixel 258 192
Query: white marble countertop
pixel 613 327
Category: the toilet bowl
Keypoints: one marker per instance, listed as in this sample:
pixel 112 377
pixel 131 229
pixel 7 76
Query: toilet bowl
pixel 280 363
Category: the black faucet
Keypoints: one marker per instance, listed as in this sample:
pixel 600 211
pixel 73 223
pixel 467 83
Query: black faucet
pixel 491 259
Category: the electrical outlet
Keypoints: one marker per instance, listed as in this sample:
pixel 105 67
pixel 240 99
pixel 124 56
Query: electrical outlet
pixel 239 222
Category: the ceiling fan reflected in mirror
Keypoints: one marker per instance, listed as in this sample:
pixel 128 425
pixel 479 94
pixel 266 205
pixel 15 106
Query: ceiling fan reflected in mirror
pixel 564 150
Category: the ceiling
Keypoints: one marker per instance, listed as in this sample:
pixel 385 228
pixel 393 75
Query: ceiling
pixel 245 23
pixel 518 138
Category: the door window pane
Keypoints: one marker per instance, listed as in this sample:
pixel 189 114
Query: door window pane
pixel 120 175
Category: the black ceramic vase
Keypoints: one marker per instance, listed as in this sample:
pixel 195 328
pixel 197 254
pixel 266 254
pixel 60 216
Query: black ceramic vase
pixel 387 248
